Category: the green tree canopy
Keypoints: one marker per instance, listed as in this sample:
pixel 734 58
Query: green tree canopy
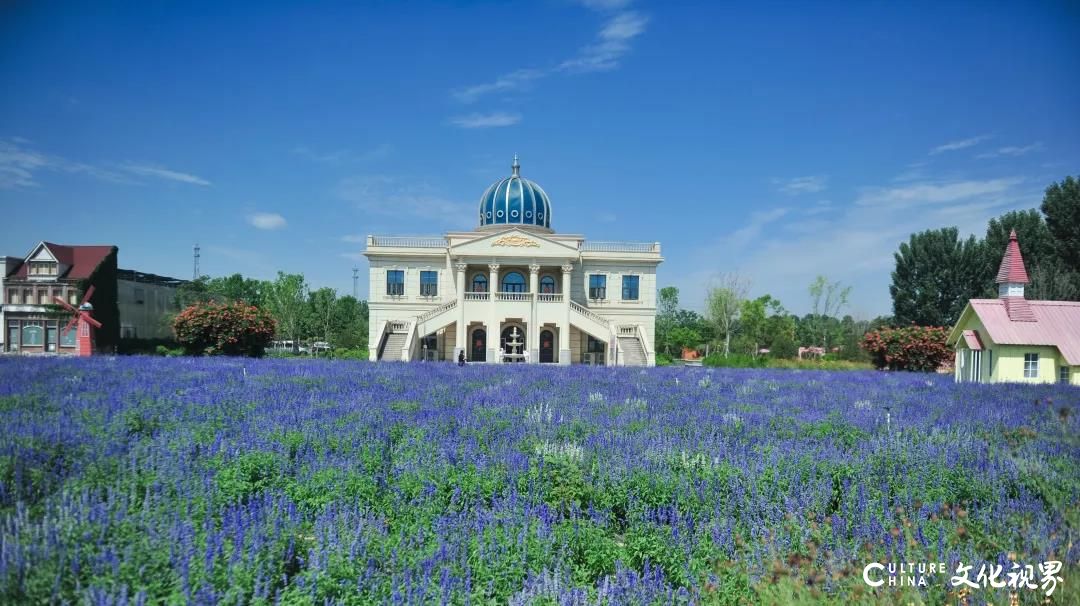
pixel 936 273
pixel 1061 207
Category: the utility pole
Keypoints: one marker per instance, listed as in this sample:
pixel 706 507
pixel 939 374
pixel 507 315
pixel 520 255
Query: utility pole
pixel 355 281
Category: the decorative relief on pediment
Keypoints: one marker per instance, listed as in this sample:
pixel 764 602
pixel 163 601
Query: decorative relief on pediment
pixel 515 240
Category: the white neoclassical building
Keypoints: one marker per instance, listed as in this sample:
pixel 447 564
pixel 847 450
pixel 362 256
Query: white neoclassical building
pixel 512 290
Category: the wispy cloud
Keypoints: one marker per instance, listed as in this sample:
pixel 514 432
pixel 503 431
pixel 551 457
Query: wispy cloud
pixel 961 144
pixel 613 41
pixel 491 120
pixel 18 164
pixel 21 165
pixel 822 206
pixel 268 221
pixel 344 156
pixel 147 170
pixel 919 194
pixel 385 195
pixel 802 185
pixel 1013 151
pixel 784 251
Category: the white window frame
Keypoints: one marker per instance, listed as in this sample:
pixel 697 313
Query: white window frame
pixel 1032 371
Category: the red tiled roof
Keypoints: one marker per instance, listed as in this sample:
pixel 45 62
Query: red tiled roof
pixel 1056 323
pixel 81 260
pixel 1012 264
pixel 971 337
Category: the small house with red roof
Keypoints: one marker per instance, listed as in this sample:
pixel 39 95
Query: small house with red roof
pixel 1015 339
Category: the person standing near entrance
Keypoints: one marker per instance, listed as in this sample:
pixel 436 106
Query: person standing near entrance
pixel 461 358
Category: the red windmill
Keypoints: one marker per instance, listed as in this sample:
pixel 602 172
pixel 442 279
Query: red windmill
pixel 84 339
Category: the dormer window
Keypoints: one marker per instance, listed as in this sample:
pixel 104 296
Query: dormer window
pixel 42 268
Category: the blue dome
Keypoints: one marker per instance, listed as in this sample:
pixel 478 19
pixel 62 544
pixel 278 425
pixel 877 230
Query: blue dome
pixel 515 201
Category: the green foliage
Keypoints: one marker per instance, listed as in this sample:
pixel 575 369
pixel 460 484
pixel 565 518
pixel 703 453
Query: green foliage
pixel 1061 206
pixel 248 475
pixel 234 329
pixel 733 361
pixel 286 300
pixel 358 353
pixel 936 273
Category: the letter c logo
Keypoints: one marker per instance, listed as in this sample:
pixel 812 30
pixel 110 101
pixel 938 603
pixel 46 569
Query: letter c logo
pixel 866 574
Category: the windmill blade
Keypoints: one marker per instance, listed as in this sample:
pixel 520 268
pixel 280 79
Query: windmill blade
pixel 89 293
pixel 91 320
pixel 71 324
pixel 64 304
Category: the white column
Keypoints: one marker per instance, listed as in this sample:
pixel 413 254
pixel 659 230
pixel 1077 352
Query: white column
pixel 534 330
pixel 459 334
pixel 564 330
pixel 494 352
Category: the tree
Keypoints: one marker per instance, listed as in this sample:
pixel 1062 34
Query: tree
pixel 936 273
pixel 1061 207
pixel 350 324
pixel 724 303
pixel 667 308
pixel 236 288
pixel 226 328
pixel 286 300
pixel 826 299
pixel 321 306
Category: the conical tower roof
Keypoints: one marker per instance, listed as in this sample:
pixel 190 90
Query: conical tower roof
pixel 1012 264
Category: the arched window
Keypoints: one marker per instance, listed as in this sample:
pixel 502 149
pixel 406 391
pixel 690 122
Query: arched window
pixel 479 283
pixel 32 335
pixel 547 285
pixel 513 282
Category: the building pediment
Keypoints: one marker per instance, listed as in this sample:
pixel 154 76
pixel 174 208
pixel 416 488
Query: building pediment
pixel 514 243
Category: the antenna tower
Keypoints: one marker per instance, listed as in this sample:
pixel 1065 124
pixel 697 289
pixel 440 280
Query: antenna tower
pixel 195 270
pixel 355 280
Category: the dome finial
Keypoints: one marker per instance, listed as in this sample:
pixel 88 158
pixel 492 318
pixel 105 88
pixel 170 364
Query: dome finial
pixel 516 167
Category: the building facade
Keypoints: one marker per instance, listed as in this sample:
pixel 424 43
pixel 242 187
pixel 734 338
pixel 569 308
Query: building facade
pixel 1014 339
pixel 512 290
pixel 128 304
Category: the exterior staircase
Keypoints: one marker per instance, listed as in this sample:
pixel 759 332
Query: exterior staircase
pixel 391 346
pixel 631 352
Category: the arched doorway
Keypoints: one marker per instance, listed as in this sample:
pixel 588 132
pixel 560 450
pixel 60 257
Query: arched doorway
pixel 479 346
pixel 513 343
pixel 547 347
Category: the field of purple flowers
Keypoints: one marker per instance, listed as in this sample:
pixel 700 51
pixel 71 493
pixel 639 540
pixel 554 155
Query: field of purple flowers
pixel 224 481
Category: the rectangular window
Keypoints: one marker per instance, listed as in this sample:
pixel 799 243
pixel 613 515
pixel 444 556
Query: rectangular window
pixel 1031 366
pixel 67 339
pixel 630 288
pixel 140 296
pixel 395 282
pixel 597 286
pixel 73 297
pixel 13 296
pixel 50 337
pixel 429 283
pixel 28 296
pixel 1063 374
pixel 13 336
pixel 42 296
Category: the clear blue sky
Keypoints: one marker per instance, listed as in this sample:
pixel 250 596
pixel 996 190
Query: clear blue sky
pixel 775 140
